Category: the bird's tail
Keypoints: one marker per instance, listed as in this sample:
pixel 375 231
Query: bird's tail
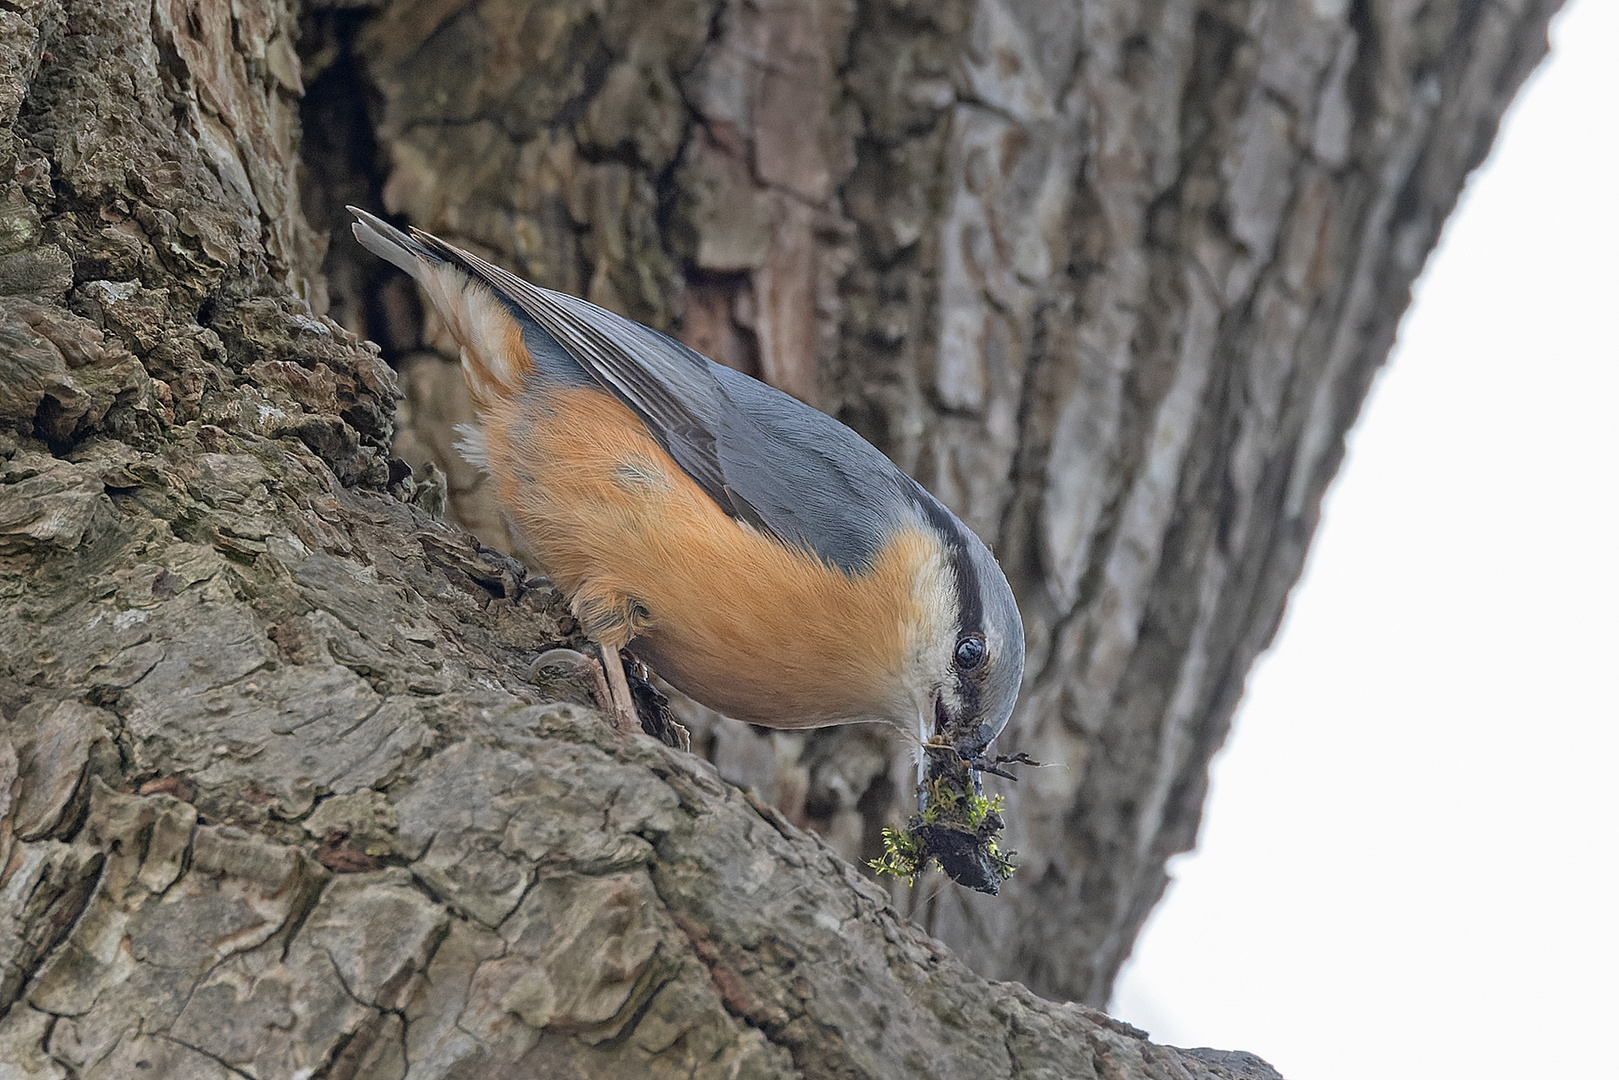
pixel 493 353
pixel 382 239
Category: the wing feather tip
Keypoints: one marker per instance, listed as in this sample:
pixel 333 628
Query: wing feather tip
pixel 388 243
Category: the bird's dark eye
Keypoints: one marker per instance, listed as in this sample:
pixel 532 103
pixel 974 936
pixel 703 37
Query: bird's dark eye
pixel 970 652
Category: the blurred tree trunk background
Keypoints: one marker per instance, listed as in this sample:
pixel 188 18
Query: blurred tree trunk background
pixel 1112 277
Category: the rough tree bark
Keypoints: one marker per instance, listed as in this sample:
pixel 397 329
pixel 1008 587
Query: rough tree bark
pixel 275 795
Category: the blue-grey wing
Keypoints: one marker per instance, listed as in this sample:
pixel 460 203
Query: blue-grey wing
pixel 764 457
pixel 813 481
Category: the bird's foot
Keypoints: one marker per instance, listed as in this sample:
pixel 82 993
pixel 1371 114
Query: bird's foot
pixel 612 698
pixel 656 718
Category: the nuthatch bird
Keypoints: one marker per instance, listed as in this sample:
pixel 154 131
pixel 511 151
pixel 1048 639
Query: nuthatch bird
pixel 759 555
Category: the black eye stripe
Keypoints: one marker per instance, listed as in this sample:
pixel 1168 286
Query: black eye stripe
pixel 968 590
pixel 961 564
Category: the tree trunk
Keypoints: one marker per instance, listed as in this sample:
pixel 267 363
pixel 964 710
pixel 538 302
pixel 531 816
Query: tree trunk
pixel 276 797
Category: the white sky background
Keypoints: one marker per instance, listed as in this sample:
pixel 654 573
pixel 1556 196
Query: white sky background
pixel 1409 867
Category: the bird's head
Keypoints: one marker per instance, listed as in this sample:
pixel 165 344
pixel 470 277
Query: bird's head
pixel 968 661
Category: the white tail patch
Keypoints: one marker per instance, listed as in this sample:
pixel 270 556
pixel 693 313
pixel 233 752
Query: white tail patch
pixel 472 445
pixel 492 349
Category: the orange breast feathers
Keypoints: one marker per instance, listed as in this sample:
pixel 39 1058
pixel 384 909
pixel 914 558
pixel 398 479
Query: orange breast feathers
pixel 738 620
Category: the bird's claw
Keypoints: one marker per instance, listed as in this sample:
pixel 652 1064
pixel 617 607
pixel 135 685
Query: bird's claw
pixel 613 696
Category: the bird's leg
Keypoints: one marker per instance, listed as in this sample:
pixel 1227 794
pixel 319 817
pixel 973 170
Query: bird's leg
pixel 611 619
pixel 625 718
